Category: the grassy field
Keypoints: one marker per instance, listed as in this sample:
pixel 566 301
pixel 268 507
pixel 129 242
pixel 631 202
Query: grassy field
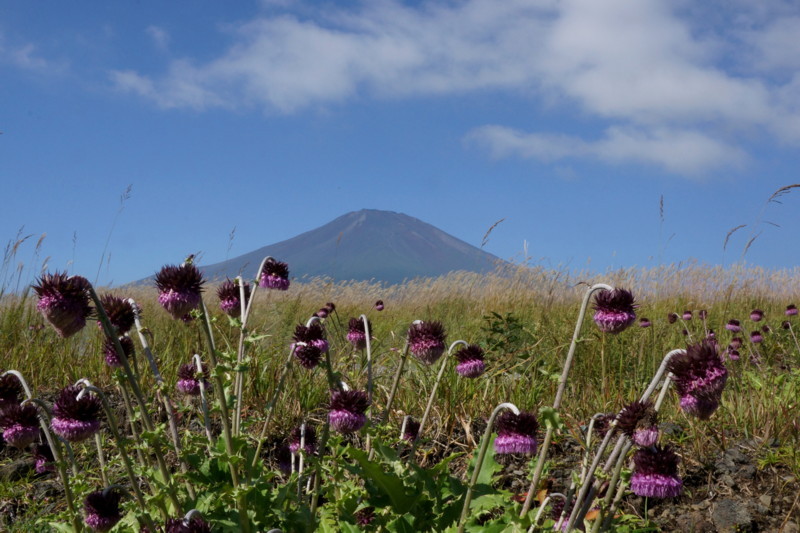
pixel 524 319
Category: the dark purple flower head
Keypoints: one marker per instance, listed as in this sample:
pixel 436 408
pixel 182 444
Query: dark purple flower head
pixel 347 410
pixel 310 440
pixel 756 315
pixel 733 325
pixel 10 391
pixel 411 431
pixel 645 322
pixel 193 525
pixel 64 302
pixel 602 423
pixel 43 459
pixel 786 324
pixel 308 355
pixel 426 341
pixel 672 318
pixel 323 312
pixel 102 509
pixel 639 421
pixel 791 310
pixel 470 361
pixel 331 307
pixel 357 334
pixel 283 458
pixel 614 310
pixel 516 434
pixel 188 381
pixel 274 276
pixel 655 473
pixel 313 335
pixel 110 351
pixel 756 337
pixel 230 300
pixel 20 424
pixel 733 354
pixel 120 312
pixel 379 305
pixel 699 377
pixel 364 516
pixel 703 314
pixel 687 315
pixel 736 343
pixel 75 419
pixel 179 289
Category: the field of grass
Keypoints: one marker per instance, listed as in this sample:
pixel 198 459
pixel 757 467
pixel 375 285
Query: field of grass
pixel 523 318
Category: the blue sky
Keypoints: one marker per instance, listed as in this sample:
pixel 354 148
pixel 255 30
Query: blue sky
pixel 569 119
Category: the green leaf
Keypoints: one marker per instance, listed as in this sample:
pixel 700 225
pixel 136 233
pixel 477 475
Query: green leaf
pixel 66 528
pixel 490 467
pixel 390 484
pixel 403 524
pixel 550 418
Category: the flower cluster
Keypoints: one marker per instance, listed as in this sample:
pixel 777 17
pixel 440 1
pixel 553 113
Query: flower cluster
pixel 309 344
pixel 309 440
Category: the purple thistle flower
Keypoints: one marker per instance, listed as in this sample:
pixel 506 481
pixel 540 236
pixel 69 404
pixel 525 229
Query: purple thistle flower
pixel 733 325
pixel 323 312
pixel 645 323
pixel 602 423
pixel 786 324
pixel 274 276
pixel 687 315
pixel 230 297
pixel 73 419
pixel 307 355
pixel 10 391
pixel 120 312
pixel 756 337
pixel 379 305
pixel 426 341
pixel 63 302
pixel 43 459
pixel 313 335
pixel 756 315
pixel 364 516
pixel 102 509
pixel 188 382
pixel 110 351
pixel 20 424
pixel 685 332
pixel 179 289
pixel 181 525
pixel 357 334
pixel 733 354
pixel 516 434
pixel 655 473
pixel 672 318
pixel 736 343
pixel 639 421
pixel 699 377
pixel 703 314
pixel 310 440
pixel 347 410
pixel 614 310
pixel 331 307
pixel 791 310
pixel 411 431
pixel 283 458
pixel 470 361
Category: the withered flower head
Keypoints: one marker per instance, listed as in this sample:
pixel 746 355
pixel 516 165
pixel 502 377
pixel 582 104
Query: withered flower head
pixel 614 310
pixel 110 351
pixel 699 377
pixel 188 381
pixel 310 440
pixel 426 341
pixel 470 361
pixel 64 302
pixel 639 421
pixel 347 410
pixel 75 419
pixel 20 424
pixel 357 334
pixel 230 300
pixel 516 434
pixel 10 391
pixel 102 509
pixel 274 276
pixel 655 473
pixel 120 312
pixel 179 289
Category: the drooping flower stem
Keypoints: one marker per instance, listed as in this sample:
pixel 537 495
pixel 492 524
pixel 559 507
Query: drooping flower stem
pixel 77 523
pixel 398 374
pixel 271 406
pixel 122 448
pixel 427 412
pixel 368 349
pixel 562 384
pixel 487 436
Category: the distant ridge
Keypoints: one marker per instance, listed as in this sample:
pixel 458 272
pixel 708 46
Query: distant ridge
pixel 369 244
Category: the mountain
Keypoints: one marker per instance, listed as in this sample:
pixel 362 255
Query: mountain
pixel 365 245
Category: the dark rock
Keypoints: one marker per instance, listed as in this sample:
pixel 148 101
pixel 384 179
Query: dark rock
pixel 696 522
pixel 16 469
pixel 730 515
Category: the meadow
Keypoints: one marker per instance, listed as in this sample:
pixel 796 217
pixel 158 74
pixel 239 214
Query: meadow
pixel 523 318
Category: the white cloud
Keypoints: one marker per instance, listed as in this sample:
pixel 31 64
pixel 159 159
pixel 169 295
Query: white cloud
pixel 159 35
pixel 27 57
pixel 657 72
